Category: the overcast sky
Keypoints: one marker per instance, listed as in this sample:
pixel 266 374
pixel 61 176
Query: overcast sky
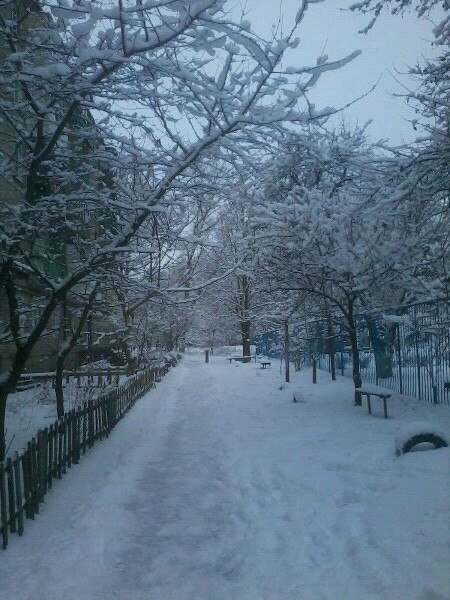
pixel 394 43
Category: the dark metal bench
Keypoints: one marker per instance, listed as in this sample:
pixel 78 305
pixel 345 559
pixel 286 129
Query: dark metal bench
pixel 265 364
pixel 369 392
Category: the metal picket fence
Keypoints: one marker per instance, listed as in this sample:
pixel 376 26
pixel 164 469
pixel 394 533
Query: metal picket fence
pixel 419 351
pixel 26 478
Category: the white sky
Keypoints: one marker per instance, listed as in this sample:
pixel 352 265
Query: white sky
pixel 394 43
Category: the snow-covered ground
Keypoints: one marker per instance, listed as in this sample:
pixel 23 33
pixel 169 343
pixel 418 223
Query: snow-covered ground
pixel 216 486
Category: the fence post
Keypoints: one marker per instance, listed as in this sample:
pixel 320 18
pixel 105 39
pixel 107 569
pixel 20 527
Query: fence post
pixel 98 409
pixel 3 509
pixel 11 495
pixel 40 466
pixel 75 437
pixel 115 403
pixel 30 470
pixel 376 358
pixel 399 361
pixel 18 486
pixel 416 344
pixel 55 451
pixel 69 438
pixel 84 434
pixel 51 457
pixel 44 450
pixel 59 439
pixel 35 475
pixel 109 417
pixel 65 435
pixel 105 416
pixel 27 483
pixel 95 420
pixel 90 424
pixel 435 393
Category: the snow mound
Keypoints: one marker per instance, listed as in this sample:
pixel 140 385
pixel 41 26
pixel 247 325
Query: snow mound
pixel 297 397
pixel 420 432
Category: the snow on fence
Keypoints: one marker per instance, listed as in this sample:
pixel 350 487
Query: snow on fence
pixel 94 377
pixel 25 478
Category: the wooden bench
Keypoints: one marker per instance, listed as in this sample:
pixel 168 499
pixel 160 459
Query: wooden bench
pixel 379 394
pixel 241 358
pixel 265 364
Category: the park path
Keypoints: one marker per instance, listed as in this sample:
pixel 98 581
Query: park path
pixel 217 487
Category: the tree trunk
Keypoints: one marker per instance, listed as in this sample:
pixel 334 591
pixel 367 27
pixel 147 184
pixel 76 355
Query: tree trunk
pixel 90 340
pixel 3 396
pixel 286 351
pixel 245 332
pixel 129 358
pixel 243 301
pixel 330 340
pixel 68 346
pixel 355 355
pixel 59 391
pixel 380 339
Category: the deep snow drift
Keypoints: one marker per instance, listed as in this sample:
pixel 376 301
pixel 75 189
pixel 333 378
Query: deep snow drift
pixel 216 486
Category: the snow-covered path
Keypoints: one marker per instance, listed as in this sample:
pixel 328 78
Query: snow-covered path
pixel 217 487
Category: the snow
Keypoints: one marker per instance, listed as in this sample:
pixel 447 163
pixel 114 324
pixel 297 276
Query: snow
pixel 217 486
pixel 400 320
pixel 297 395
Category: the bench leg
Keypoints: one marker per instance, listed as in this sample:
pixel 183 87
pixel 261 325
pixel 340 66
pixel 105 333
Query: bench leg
pixel 385 408
pixel 368 404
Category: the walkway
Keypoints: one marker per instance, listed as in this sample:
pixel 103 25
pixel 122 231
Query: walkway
pixel 217 487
